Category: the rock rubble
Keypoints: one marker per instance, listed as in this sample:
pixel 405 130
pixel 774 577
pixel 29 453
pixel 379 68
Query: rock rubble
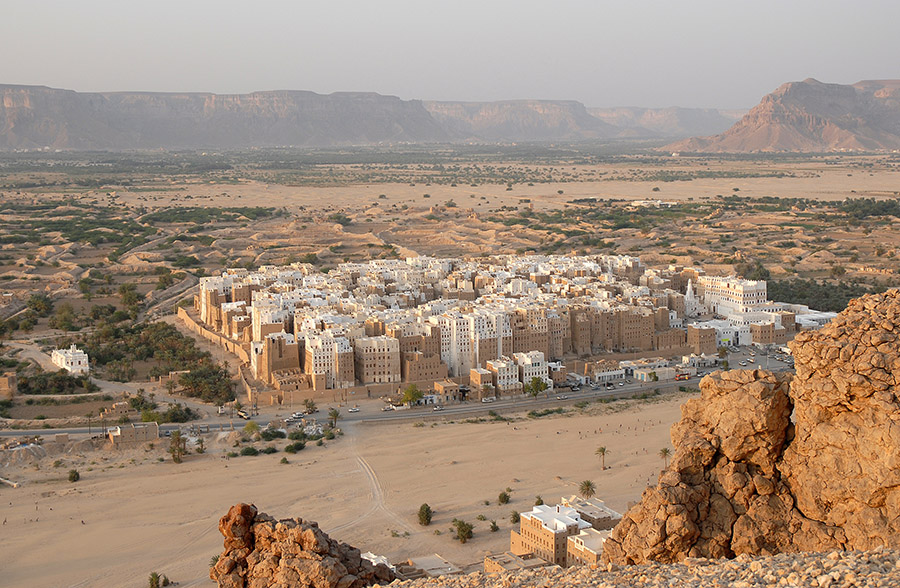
pixel 837 569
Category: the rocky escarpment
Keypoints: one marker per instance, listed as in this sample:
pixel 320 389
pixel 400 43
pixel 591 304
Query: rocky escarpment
pixel 520 120
pixel 765 464
pixel 812 116
pixel 667 122
pixel 262 552
pixel 37 116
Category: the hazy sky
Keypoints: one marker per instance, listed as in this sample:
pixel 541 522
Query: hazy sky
pixel 722 53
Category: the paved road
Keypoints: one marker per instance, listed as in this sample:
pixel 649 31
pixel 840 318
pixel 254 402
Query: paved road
pixel 370 410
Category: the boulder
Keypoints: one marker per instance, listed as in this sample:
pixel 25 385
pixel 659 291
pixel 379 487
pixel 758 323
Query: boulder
pixel 261 552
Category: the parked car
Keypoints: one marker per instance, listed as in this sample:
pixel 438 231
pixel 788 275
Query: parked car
pixel 353 409
pixel 244 414
pixel 387 408
pixel 621 383
pixel 437 408
pixel 489 399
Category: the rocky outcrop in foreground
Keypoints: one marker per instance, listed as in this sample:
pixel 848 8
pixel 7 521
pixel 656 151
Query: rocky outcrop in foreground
pixel 834 570
pixel 744 479
pixel 262 552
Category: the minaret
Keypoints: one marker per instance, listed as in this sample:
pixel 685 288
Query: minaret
pixel 690 301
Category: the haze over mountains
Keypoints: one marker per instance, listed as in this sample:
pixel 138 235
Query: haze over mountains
pixel 37 116
pixel 798 116
pixel 812 116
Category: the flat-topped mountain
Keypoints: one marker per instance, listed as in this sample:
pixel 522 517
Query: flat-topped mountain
pixel 37 116
pixel 667 122
pixel 812 116
pixel 33 117
pixel 520 120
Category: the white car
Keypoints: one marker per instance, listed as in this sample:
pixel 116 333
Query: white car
pixel 354 409
pixel 387 408
pixel 437 408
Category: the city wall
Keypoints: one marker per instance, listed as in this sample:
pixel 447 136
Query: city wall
pixel 195 327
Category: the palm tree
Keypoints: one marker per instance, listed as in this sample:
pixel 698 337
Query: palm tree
pixel 664 453
pixel 587 489
pixel 601 452
pixel 310 405
pixel 177 446
pixel 333 415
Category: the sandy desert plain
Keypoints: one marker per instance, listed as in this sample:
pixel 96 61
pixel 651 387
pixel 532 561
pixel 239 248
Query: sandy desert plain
pixel 142 515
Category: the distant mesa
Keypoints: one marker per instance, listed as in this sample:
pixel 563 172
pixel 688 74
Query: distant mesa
pixel 37 117
pixel 667 122
pixel 520 120
pixel 811 116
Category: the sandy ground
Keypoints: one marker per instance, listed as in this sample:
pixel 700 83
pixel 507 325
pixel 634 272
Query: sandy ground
pixel 142 515
pixel 815 181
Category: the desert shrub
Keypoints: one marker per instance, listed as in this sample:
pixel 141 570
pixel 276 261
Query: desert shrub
pixel 249 451
pixel 425 515
pixel 463 530
pixel 74 476
pixel 270 434
pixel 295 447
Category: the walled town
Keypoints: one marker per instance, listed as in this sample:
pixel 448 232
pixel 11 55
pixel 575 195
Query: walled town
pixel 456 327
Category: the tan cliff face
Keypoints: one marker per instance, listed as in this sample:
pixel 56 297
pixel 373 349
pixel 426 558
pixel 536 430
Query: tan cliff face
pixel 812 116
pixel 766 464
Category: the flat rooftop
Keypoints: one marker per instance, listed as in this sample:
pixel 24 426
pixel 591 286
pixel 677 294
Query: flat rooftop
pixel 556 518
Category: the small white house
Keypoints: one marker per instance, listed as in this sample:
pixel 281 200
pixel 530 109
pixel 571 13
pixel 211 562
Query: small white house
pixel 73 360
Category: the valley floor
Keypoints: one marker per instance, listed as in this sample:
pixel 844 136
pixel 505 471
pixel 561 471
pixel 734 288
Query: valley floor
pixel 131 514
